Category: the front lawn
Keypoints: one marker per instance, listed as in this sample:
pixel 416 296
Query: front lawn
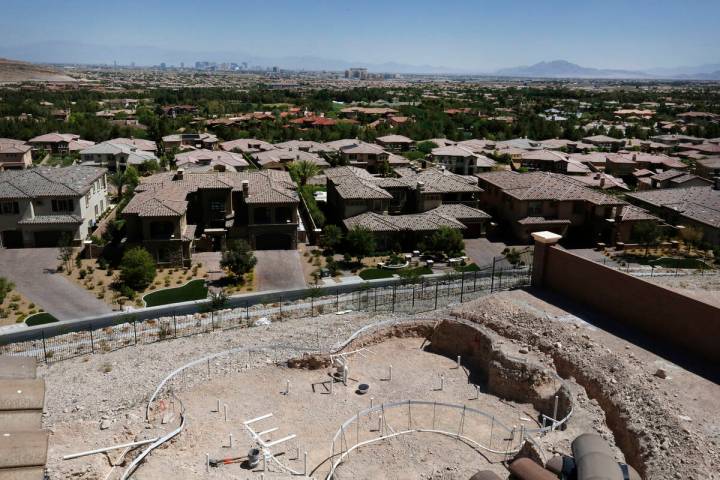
pixel 193 290
pixel 378 273
pixel 40 319
pixel 472 267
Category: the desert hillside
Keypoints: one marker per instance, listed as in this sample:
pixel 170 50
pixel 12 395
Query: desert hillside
pixel 13 71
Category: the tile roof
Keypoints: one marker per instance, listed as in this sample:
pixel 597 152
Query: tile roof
pixel 246 145
pixel 279 155
pixel 356 183
pixel 51 220
pixel 438 181
pixel 546 186
pixel 211 157
pixel 54 137
pixel 417 222
pixel 701 204
pixel 395 139
pixel 73 181
pixel 164 194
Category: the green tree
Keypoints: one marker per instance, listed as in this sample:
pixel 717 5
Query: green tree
pixel 137 268
pixel 692 236
pixel 6 287
pixel 446 240
pixel 332 237
pixel 426 147
pixel 646 233
pixel 360 243
pixel 238 258
pixel 66 251
pixel 303 170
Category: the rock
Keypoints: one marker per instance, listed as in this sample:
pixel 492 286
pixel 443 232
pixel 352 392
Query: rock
pixel 524 350
pixel 105 424
pixel 685 418
pixel 661 373
pixel 558 345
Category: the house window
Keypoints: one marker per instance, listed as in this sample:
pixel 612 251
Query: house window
pixel 535 208
pixel 578 208
pixel 9 208
pixel 217 206
pixel 63 205
pixel 262 215
pixel 283 215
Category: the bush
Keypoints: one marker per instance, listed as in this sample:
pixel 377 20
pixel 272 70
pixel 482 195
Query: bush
pixel 137 268
pixel 238 258
pixel 6 287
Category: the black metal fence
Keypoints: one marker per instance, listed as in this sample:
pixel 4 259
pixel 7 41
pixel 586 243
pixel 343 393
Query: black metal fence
pixel 425 294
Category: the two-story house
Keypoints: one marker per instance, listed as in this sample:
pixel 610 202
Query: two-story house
pixel 115 156
pixel 536 201
pixel 461 160
pixel 14 154
pixel 173 212
pixel 182 141
pixel 59 143
pixel 40 206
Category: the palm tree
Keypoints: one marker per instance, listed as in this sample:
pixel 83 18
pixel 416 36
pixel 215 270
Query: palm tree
pixel 304 170
pixel 117 180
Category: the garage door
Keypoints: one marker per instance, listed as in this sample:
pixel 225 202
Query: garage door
pixel 12 239
pixel 273 242
pixel 50 238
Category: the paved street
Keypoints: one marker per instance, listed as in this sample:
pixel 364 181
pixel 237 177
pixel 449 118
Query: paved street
pixel 32 271
pixel 279 270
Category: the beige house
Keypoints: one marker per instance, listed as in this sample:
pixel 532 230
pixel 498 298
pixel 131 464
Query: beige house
pixel 39 206
pixel 14 154
pixel 173 213
pixel 59 143
pixel 461 160
pixel 182 141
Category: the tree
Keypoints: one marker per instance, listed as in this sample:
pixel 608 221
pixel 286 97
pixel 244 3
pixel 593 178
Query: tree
pixel 426 147
pixel 332 237
pixel 646 233
pixel 130 178
pixel 66 251
pixel 303 170
pixel 446 240
pixel 238 258
pixel 137 268
pixel 692 236
pixel 360 243
pixel 6 287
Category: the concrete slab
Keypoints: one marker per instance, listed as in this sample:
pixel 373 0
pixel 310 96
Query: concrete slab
pixel 279 270
pixel 23 449
pixel 12 367
pixel 22 394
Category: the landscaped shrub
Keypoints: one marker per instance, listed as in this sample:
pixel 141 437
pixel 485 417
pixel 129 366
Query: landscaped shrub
pixel 137 268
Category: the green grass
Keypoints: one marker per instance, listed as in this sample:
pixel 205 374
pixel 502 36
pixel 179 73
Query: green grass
pixel 40 319
pixel 378 273
pixel 471 267
pixel 193 290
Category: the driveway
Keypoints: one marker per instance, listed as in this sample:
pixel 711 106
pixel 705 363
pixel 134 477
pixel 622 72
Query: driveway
pixel 279 270
pixel 481 250
pixel 32 272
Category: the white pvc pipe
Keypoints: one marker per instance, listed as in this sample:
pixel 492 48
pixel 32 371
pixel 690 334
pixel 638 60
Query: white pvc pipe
pixel 107 449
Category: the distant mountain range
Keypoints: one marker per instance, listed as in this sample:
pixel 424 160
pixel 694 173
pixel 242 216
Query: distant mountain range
pixel 565 69
pixel 82 53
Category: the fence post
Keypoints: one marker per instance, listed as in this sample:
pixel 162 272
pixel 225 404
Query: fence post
pixel 492 276
pixel 475 281
pixel 413 296
pixel 247 311
pixel 462 286
pixel 337 299
pixel 175 325
pixel 92 342
pixel 312 307
pixel 135 331
pixel 437 286
pixel 375 297
pixel 281 302
pixel 393 302
pixel 44 348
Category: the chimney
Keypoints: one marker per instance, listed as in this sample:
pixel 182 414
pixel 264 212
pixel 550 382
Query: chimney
pixel 602 182
pixel 245 188
pixel 180 174
pixel 420 186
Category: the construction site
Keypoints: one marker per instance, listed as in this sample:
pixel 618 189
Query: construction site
pixel 506 386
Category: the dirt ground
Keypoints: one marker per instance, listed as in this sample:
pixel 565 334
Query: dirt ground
pixel 15 308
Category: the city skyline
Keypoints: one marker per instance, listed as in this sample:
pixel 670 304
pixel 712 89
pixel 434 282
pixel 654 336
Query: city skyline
pixel 457 36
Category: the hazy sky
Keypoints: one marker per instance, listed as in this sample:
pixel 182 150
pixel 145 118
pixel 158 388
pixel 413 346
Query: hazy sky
pixel 468 34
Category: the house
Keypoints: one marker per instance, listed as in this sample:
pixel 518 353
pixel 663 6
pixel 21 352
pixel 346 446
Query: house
pixel 549 161
pixel 278 158
pixel 367 112
pixel 14 154
pixel 461 160
pixel 603 141
pixel 183 141
pixel 360 154
pixel 352 191
pixel 175 110
pixel 603 181
pixel 306 146
pixel 672 179
pixel 432 187
pixel 404 232
pixel 696 207
pixel 623 164
pixel 395 143
pixel 115 156
pixel 59 143
pixel 212 159
pixel 536 201
pixel 38 206
pixel 138 143
pixel 675 139
pixel 246 145
pixel 708 167
pixel 174 212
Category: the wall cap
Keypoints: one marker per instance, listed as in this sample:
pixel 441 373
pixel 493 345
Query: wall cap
pixel 548 238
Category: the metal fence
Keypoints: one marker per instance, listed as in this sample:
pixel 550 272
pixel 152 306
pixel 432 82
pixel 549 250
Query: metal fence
pixel 54 343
